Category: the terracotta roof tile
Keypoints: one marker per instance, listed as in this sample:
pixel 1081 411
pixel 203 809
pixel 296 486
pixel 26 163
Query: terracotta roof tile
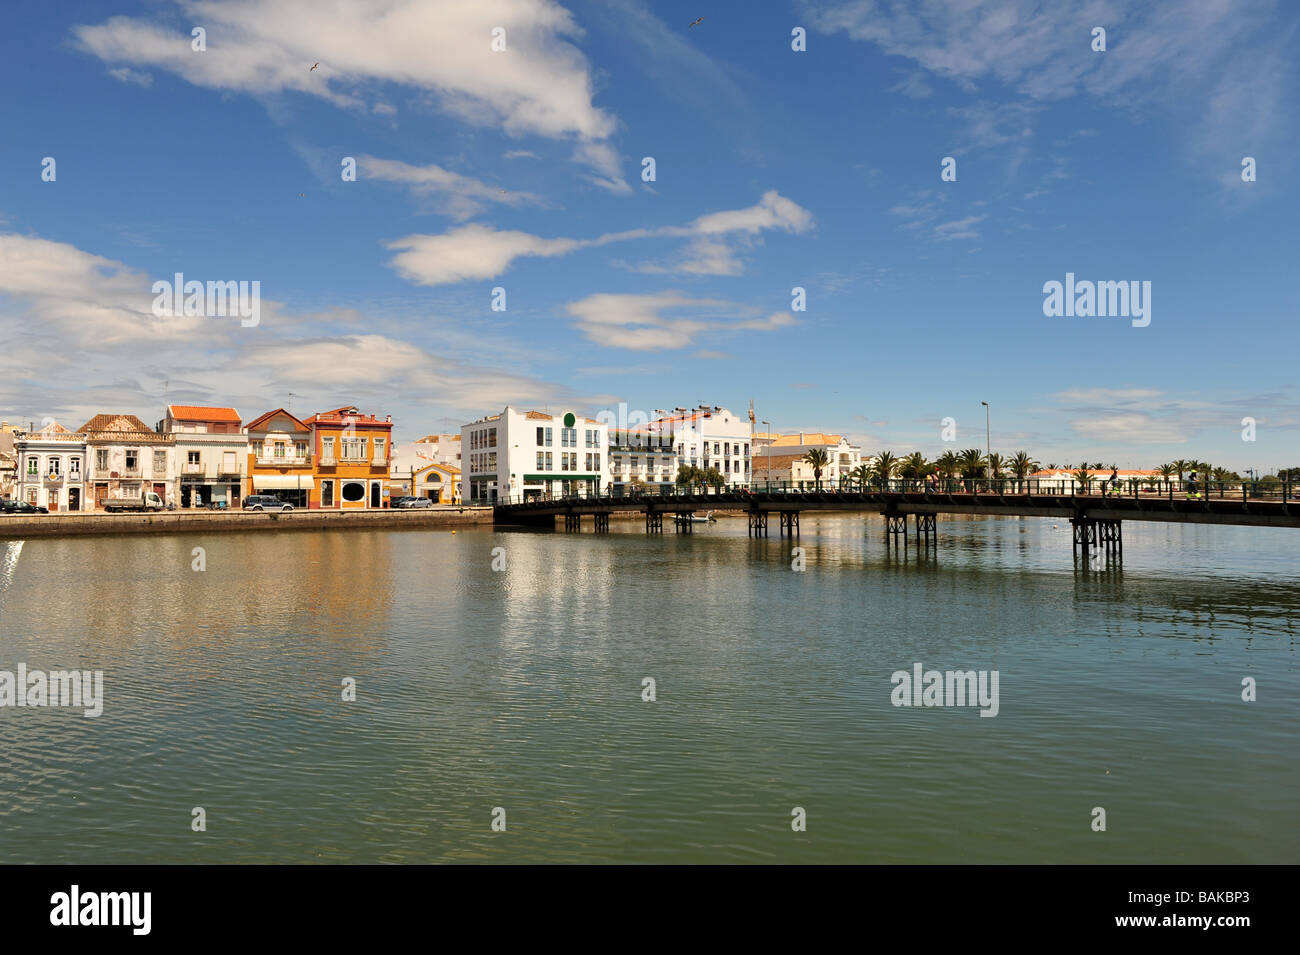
pixel 202 413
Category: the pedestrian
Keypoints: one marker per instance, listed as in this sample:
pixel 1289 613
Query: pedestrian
pixel 1192 491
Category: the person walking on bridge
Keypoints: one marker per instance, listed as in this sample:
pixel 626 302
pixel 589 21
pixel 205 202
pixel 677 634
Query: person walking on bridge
pixel 1193 493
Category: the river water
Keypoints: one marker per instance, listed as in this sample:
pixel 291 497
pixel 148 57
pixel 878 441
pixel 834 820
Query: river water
pixel 477 690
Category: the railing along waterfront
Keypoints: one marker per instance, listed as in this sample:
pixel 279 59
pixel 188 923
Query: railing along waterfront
pixel 1093 491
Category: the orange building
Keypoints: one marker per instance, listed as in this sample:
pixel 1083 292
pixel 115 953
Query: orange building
pixel 280 458
pixel 352 453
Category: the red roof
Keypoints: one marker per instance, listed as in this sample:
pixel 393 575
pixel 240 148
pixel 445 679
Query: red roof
pixel 256 423
pixel 201 413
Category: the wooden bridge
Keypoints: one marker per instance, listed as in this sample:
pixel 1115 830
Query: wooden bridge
pixel 1096 518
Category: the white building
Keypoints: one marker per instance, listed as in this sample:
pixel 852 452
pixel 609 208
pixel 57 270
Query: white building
pixel 780 457
pixel 710 437
pixel 50 464
pixel 414 456
pixel 127 458
pixel 212 454
pixel 641 455
pixel 532 454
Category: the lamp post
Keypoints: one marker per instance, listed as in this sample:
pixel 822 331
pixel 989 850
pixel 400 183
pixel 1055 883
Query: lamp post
pixel 988 443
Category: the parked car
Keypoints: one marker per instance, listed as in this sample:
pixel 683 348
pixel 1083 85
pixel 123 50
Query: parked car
pixel 266 502
pixel 21 507
pixel 410 502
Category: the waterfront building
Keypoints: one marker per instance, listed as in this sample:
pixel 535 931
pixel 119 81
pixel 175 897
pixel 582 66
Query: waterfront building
pixel 50 468
pixel 126 458
pixel 1061 480
pixel 211 454
pixel 440 483
pixel 8 461
pixel 710 437
pixel 643 455
pixel 352 458
pixel 415 455
pixel 532 454
pixel 279 458
pixel 782 457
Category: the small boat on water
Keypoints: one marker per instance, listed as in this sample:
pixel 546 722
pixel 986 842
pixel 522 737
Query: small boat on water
pixel 708 518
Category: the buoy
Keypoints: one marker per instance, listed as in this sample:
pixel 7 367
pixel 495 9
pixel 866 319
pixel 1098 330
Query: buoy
pixel 453 533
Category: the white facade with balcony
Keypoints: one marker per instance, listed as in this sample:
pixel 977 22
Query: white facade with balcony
pixel 711 437
pixel 211 455
pixel 534 454
pixel 51 468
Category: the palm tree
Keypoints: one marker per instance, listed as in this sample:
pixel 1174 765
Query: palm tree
pixel 1181 466
pixel 1050 467
pixel 1022 465
pixel 996 464
pixel 912 467
pixel 948 464
pixel 860 476
pixel 971 462
pixel 1166 471
pixel 819 459
pixel 1083 475
pixel 884 466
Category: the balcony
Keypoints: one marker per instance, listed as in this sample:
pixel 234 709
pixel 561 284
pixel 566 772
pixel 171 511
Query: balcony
pixel 103 474
pixel 379 461
pixel 53 479
pixel 189 468
pixel 287 461
pixel 328 461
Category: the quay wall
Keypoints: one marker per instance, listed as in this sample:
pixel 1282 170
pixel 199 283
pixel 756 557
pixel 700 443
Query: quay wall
pixel 15 527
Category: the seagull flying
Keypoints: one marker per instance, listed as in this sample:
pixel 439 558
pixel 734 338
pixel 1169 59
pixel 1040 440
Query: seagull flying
pixel 313 66
pixel 700 20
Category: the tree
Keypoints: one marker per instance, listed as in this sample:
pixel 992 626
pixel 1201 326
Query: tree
pixel 1022 465
pixel 713 477
pixel 818 459
pixel 861 475
pixel 1181 466
pixel 971 462
pixel 996 465
pixel 689 474
pixel 948 464
pixel 1083 475
pixel 912 467
pixel 884 467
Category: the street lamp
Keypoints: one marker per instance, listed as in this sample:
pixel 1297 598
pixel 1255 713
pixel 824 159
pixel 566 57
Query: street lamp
pixel 988 443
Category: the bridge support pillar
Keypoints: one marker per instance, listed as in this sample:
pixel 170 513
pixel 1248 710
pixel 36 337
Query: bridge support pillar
pixel 573 522
pixel 602 523
pixel 790 523
pixel 1090 533
pixel 925 530
pixel 682 521
pixel 654 522
pixel 758 523
pixel 895 527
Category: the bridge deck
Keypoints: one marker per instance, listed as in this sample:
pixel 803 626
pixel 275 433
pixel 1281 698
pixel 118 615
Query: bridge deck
pixel 1256 511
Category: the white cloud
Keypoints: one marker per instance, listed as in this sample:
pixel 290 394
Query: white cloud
pixel 450 193
pixel 958 229
pixel 541 85
pixel 639 322
pixel 481 252
pixel 127 75
pixel 1130 428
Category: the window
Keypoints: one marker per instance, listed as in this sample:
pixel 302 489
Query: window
pixel 326 493
pixel 549 462
pixel 715 447
pixel 327 448
pixel 101 459
pixel 588 459
pixel 74 465
pixel 132 459
pixel 548 439
pixel 279 449
pixel 354 491
pixel 597 457
pixel 52 466
pixel 726 448
pixel 379 449
pixel 300 449
pixel 492 437
pixel 634 460
pixel 191 457
pixel 159 463
pixel 541 458
pixel 539 435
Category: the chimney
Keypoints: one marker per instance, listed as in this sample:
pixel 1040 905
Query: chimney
pixel 388 418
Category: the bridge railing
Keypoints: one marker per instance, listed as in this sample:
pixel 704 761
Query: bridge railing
pixel 1133 489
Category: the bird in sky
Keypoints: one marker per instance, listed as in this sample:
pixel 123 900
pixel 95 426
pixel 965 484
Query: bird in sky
pixel 700 20
pixel 313 66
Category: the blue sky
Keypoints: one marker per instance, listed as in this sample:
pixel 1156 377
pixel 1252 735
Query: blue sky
pixel 522 169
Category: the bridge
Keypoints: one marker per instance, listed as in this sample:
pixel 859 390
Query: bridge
pixel 1096 518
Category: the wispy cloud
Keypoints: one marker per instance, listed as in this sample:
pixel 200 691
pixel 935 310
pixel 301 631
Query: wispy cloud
pixel 652 322
pixel 444 191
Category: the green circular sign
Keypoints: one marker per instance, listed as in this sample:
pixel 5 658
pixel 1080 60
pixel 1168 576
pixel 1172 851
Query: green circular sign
pixel 569 420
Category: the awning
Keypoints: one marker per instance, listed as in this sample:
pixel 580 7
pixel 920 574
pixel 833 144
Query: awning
pixel 282 482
